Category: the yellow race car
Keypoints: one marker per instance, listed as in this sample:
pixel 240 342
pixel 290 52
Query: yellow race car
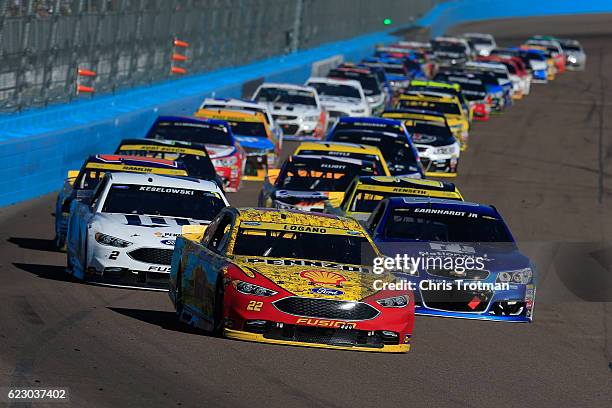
pixel 292 278
pixel 364 194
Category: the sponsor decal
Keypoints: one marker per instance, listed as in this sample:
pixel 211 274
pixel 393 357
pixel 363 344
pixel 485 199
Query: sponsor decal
pixel 315 264
pixel 159 268
pixel 445 212
pixel 327 291
pixel 169 242
pixel 304 228
pixel 166 234
pixel 336 324
pixel 167 190
pixel 317 277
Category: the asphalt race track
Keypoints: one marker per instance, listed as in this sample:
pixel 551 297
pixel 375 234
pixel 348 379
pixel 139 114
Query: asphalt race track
pixel 546 164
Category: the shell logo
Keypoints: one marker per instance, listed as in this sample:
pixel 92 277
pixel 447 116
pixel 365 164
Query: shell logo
pixel 323 277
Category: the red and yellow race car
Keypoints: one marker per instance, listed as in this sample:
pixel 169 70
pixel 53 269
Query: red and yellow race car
pixel 289 277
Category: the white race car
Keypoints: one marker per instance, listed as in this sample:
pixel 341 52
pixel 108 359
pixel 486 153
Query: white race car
pixel 483 44
pixel 341 97
pixel 124 234
pixel 296 109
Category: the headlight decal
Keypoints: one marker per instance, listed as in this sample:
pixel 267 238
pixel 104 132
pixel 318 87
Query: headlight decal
pixel 109 240
pixel 396 301
pixel 519 276
pixel 252 289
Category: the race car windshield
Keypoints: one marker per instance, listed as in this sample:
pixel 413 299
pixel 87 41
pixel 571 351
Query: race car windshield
pixel 429 133
pixel 366 201
pixel 286 96
pixel 343 249
pixel 213 106
pixel 575 48
pixel 335 90
pixel 480 40
pixel 459 227
pixel 162 201
pixel 198 166
pixel 395 150
pixel 368 127
pixel 253 129
pixel 448 108
pixel 450 48
pixel 301 178
pixel 191 132
pixel 375 159
pixel 394 69
pixel 369 82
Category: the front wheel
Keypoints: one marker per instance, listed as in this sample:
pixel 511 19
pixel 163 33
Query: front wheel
pixel 218 321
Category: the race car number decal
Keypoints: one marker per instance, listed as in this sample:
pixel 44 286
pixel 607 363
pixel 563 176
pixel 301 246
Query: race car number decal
pixel 255 306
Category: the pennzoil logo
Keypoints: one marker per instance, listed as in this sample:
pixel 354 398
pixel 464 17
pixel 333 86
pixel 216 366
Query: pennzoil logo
pixel 323 277
pixel 336 324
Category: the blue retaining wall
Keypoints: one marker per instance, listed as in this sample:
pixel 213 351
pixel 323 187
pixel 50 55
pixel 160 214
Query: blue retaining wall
pixel 37 147
pixel 446 15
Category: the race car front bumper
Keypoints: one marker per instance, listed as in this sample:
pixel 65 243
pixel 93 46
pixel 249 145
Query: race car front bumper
pixel 299 129
pixel 260 338
pixel 281 320
pixel 230 175
pixel 257 164
pixel 139 267
pixel 438 165
pixel 514 305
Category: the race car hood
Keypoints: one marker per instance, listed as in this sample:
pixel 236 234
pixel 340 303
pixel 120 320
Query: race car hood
pixel 301 278
pixel 255 143
pixel 142 229
pixel 309 198
pixel 215 151
pixel 496 257
pixel 302 200
pixel 293 110
pixel 340 103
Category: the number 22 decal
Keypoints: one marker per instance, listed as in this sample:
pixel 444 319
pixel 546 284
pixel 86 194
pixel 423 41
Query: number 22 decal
pixel 255 306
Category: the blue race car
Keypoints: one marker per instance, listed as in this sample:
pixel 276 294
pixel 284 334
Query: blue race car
pixel 459 258
pixel 389 135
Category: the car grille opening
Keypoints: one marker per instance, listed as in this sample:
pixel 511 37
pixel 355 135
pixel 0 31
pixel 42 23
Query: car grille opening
pixel 322 335
pixel 156 256
pixel 468 274
pixel 457 300
pixel 336 114
pixel 284 117
pixel 290 130
pixel 326 308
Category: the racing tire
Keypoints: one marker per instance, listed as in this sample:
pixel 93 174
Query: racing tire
pixel 60 243
pixel 178 294
pixel 218 321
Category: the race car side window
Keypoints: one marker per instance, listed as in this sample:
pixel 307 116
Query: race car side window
pixel 348 195
pixel 220 237
pixel 375 218
pixel 98 192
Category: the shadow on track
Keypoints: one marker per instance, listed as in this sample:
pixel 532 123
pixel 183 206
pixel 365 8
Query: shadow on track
pixel 36 244
pixel 51 272
pixel 165 320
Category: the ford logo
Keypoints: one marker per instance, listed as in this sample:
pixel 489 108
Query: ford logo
pixel 170 242
pixel 327 291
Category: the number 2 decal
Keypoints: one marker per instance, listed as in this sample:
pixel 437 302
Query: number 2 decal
pixel 255 306
pixel 113 255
